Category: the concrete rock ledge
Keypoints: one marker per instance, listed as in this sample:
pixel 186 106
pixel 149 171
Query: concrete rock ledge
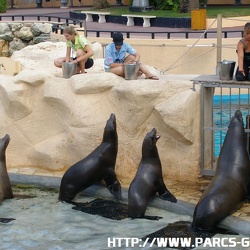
pixel 54 122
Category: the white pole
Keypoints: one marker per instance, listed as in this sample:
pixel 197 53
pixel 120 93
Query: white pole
pixel 219 42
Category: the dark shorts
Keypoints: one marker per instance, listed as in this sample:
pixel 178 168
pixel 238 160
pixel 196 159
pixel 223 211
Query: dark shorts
pixel 119 61
pixel 89 63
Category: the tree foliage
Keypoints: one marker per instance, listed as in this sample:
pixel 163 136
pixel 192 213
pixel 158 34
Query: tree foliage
pixel 3 6
pixel 164 4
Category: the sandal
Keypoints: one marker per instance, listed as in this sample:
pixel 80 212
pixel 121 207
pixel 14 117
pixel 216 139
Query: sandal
pixel 152 78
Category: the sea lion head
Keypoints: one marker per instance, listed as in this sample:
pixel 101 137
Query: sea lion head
pixel 150 140
pixel 4 142
pixel 237 118
pixel 110 133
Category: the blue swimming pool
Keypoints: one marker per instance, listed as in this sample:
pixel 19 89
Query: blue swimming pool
pixel 224 108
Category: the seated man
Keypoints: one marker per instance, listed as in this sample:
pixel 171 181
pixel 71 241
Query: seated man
pixel 115 57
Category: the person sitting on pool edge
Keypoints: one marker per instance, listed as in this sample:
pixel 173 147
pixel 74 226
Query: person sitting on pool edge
pixel 82 48
pixel 115 57
pixel 243 52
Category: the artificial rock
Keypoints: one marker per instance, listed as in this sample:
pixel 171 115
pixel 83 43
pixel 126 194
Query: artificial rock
pixel 54 122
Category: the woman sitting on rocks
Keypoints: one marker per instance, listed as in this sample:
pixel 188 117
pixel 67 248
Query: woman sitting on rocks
pixel 80 46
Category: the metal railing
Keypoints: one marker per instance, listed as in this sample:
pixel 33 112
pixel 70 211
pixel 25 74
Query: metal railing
pixel 129 34
pixel 45 18
pixel 170 34
pixel 219 101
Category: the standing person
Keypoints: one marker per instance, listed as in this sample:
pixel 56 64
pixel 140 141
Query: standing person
pixel 243 51
pixel 81 46
pixel 115 57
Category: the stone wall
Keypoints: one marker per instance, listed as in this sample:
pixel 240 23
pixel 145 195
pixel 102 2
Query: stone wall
pixel 17 35
pixel 54 122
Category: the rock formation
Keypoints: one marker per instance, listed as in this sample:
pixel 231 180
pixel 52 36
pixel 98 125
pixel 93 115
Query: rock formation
pixel 55 122
pixel 17 35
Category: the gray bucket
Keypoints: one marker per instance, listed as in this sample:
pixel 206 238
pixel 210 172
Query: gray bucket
pixel 69 69
pixel 226 70
pixel 131 71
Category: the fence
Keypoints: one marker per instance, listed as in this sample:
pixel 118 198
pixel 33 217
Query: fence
pixel 219 101
pixel 40 18
pixel 149 34
pixel 171 34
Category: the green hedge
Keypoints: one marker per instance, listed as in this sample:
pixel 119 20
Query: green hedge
pixel 3 6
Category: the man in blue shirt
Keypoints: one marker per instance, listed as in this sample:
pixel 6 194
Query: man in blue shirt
pixel 115 57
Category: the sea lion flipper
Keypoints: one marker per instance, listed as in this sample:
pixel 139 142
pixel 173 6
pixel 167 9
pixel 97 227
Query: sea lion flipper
pixel 113 184
pixel 6 220
pixel 247 199
pixel 115 189
pixel 150 217
pixel 168 196
pixel 165 194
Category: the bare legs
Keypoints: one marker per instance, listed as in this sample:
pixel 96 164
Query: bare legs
pixel 81 64
pixel 142 70
pixel 58 61
pixel 120 69
pixel 81 67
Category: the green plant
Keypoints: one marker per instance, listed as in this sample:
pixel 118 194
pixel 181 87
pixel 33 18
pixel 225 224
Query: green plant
pixel 3 6
pixel 211 12
pixel 100 4
pixel 166 4
pixel 203 3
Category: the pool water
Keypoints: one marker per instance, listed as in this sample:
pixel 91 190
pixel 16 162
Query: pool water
pixel 224 108
pixel 44 223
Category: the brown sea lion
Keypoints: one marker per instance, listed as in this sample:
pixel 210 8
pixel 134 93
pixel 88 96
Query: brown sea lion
pixel 5 185
pixel 148 180
pixel 230 185
pixel 97 166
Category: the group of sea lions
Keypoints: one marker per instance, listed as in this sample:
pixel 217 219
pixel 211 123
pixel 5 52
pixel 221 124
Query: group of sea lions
pixel 100 165
pixel 229 187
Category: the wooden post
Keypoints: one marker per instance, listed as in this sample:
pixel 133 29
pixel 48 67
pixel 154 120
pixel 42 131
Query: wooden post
pixel 85 27
pixel 219 42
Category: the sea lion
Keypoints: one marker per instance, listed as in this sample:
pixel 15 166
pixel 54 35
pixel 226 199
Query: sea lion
pixel 148 179
pixel 5 186
pixel 230 184
pixel 98 165
pixel 248 133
